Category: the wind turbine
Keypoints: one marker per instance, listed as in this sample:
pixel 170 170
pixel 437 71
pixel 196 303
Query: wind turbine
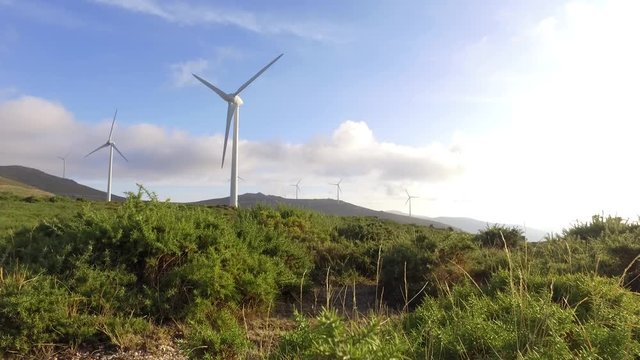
pixel 297 185
pixel 233 111
pixel 111 146
pixel 338 189
pixel 409 197
pixel 64 164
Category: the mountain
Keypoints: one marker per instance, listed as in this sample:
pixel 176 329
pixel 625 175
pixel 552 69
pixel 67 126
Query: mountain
pixel 474 226
pixel 52 184
pixel 326 206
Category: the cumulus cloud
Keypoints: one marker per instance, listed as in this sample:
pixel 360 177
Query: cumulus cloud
pixel 33 131
pixel 194 14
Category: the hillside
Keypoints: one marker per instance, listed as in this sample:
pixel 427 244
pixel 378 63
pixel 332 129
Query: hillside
pixel 325 206
pixel 52 184
pixel 12 187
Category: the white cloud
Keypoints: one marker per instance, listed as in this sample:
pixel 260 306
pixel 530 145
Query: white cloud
pixel 34 131
pixel 181 72
pixel 193 14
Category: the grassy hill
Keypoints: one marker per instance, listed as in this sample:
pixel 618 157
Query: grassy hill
pixel 52 184
pixel 16 188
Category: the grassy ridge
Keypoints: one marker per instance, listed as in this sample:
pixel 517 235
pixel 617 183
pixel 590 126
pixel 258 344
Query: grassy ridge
pixel 82 273
pixel 11 187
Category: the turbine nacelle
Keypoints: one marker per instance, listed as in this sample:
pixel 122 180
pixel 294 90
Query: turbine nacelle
pixel 236 100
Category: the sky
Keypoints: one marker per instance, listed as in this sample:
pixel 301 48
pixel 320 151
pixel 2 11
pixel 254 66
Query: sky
pixel 519 112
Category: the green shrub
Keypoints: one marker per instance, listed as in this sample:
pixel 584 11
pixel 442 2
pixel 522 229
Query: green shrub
pixel 331 337
pixel 534 317
pixel 499 236
pixel 36 312
pixel 213 334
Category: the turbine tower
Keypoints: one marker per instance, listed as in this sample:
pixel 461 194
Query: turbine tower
pixel 297 185
pixel 409 197
pixel 111 146
pixel 338 189
pixel 64 165
pixel 233 111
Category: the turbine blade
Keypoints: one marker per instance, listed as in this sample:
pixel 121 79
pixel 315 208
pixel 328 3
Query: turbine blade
pixel 406 202
pixel 231 110
pixel 115 147
pixel 221 93
pixel 113 122
pixel 298 183
pixel 405 190
pixel 98 148
pixel 256 75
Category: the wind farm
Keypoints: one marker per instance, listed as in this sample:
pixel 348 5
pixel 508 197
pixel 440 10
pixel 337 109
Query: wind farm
pixel 413 180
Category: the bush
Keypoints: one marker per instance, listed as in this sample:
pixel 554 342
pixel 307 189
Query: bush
pixel 35 312
pixel 499 236
pixel 535 317
pixel 331 337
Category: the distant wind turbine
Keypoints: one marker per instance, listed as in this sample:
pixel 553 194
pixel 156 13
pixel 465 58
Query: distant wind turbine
pixel 111 146
pixel 233 111
pixel 297 185
pixel 409 197
pixel 338 189
pixel 64 165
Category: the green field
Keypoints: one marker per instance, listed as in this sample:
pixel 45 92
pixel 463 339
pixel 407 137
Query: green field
pixel 293 284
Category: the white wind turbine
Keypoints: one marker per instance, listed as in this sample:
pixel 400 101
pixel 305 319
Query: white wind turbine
pixel 297 185
pixel 111 146
pixel 409 197
pixel 233 111
pixel 64 165
pixel 338 189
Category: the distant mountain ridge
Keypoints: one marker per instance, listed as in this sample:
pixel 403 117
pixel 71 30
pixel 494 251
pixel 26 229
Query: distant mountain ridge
pixel 36 179
pixel 325 206
pixel 52 184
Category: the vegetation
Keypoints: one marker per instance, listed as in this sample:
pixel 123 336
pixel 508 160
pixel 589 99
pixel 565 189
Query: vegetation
pixel 76 273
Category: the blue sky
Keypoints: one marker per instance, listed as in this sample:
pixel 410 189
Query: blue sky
pixel 505 111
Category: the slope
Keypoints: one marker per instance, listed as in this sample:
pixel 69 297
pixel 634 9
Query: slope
pixel 52 184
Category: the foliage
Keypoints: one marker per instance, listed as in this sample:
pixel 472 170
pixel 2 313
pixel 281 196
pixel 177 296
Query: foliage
pixel 114 273
pixel 500 236
pixel 331 337
pixel 568 317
